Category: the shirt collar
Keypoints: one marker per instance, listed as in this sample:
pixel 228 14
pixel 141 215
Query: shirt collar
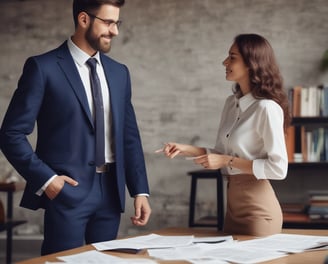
pixel 79 56
pixel 245 101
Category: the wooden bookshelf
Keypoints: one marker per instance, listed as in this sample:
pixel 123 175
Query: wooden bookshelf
pixel 308 125
pixel 302 220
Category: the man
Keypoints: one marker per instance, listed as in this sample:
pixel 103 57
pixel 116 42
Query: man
pixel 87 148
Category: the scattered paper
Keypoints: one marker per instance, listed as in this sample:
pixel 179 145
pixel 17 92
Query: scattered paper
pixel 289 243
pixel 201 250
pixel 145 242
pixel 95 257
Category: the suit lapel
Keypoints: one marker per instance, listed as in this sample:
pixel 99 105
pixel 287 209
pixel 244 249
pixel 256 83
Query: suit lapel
pixel 112 86
pixel 71 73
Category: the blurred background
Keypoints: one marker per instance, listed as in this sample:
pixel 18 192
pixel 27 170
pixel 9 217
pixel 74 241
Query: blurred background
pixel 174 50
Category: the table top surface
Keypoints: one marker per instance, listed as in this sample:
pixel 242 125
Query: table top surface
pixel 299 258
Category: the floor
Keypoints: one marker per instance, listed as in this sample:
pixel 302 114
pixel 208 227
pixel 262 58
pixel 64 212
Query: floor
pixel 23 248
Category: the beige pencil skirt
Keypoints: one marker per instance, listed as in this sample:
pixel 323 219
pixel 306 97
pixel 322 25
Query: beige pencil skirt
pixel 252 207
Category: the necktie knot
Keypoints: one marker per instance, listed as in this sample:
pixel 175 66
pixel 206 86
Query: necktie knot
pixel 92 63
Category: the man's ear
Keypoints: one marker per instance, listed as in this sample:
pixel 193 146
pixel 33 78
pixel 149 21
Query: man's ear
pixel 83 20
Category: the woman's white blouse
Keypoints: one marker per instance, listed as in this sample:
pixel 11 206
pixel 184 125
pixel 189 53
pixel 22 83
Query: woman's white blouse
pixel 253 129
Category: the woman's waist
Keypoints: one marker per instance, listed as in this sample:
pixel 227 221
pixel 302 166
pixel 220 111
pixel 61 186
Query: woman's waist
pixel 240 177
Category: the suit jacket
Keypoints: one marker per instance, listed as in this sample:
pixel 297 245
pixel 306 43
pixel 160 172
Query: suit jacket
pixel 50 93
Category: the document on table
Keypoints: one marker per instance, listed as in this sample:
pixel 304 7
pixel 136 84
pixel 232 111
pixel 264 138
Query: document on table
pixel 189 253
pixel 250 251
pixel 145 242
pixel 237 253
pixel 96 257
pixel 202 250
pixel 289 243
pixel 215 253
pixel 156 241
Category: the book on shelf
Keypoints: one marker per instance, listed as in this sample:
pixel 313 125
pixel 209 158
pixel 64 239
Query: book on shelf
pixel 315 145
pixel 293 208
pixel 324 102
pixel 318 217
pixel 304 144
pixel 308 101
pixel 296 100
pixel 318 205
pixel 318 195
pixel 290 143
pixel 309 141
pixel 318 212
pixel 312 143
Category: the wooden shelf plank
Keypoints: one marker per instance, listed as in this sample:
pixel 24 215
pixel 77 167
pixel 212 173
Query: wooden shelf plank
pixel 301 121
pixel 302 220
pixel 310 165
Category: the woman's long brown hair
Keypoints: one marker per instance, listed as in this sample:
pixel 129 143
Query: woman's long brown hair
pixel 265 79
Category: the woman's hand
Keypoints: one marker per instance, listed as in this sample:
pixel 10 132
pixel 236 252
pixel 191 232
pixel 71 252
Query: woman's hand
pixel 212 161
pixel 173 149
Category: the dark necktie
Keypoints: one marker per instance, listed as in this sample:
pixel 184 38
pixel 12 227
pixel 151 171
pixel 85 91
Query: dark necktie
pixel 98 112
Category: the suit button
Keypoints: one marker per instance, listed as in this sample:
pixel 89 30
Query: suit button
pixel 92 163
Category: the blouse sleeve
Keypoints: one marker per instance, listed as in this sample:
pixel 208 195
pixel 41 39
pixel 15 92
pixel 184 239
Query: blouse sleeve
pixel 270 127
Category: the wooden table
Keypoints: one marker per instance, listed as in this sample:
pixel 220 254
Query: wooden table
pixel 299 258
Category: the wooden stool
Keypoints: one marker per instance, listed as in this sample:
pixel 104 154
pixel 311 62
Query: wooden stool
pixel 9 223
pixel 206 174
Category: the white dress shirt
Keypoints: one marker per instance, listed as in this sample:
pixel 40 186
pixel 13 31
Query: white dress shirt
pixel 80 58
pixel 253 129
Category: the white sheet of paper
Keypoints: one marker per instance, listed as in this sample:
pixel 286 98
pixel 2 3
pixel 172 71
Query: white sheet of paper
pixel 145 242
pixel 195 251
pixel 95 257
pixel 210 249
pixel 216 253
pixel 287 242
pixel 237 253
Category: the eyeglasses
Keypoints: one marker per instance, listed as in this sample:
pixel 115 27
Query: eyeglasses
pixel 108 22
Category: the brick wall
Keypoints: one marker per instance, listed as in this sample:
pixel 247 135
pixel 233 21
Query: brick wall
pixel 174 50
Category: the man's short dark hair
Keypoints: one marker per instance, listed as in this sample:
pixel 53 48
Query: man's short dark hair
pixel 92 6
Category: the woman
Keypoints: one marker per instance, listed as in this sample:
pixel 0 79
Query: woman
pixel 250 148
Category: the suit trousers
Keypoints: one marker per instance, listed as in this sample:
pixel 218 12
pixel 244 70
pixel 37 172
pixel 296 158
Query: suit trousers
pixel 252 207
pixel 95 219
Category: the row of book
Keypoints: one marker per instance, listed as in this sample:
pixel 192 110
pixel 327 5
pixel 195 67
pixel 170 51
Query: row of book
pixel 308 101
pixel 307 144
pixel 318 205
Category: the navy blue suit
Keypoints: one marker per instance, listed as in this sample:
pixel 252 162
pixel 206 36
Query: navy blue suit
pixel 51 93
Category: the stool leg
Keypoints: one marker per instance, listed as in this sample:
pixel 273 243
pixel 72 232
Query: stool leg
pixel 9 229
pixel 192 201
pixel 9 245
pixel 219 201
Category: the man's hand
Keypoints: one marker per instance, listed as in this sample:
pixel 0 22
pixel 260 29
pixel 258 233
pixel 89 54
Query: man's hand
pixel 54 188
pixel 142 211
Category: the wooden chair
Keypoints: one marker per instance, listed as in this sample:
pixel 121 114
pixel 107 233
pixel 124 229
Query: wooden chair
pixel 8 222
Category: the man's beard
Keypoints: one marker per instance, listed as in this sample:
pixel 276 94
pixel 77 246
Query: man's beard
pixel 95 42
